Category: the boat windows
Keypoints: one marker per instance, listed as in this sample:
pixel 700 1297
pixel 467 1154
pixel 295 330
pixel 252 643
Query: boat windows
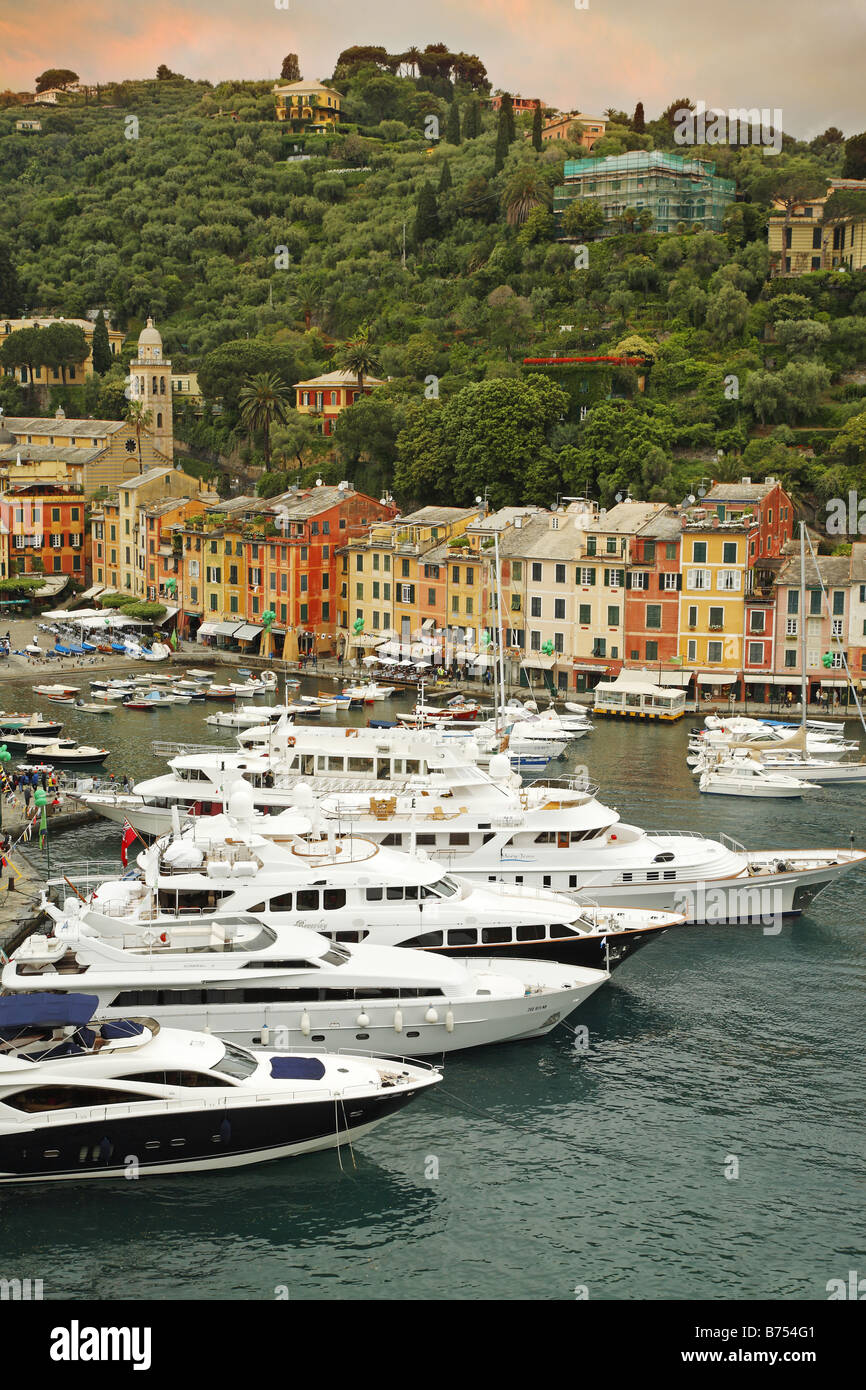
pixel 559 929
pixel 393 840
pixel 174 1078
pixel 38 1099
pixel 282 903
pixel 394 895
pixel 375 895
pixel 463 936
pixel 336 955
pixel 428 938
pixel 308 900
pixel 460 839
pixel 360 764
pixel 413 767
pixel 534 932
pixel 192 900
pixel 446 887
pixel 236 1062
pixel 425 840
pixel 336 764
pixel 353 936
pixel 282 965
pixel 496 936
pixel 665 858
pixel 333 899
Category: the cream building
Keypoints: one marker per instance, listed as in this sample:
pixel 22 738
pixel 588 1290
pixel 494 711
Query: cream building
pixel 151 376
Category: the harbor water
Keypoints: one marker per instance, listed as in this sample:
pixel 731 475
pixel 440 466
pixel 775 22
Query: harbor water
pixel 703 1138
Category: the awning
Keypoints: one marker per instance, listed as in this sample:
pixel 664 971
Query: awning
pixel 208 629
pixel 717 677
pixel 483 659
pixel 766 679
pixel 599 667
pixel 169 613
pixel 365 639
pixel 678 678
pixel 226 629
pixel 248 632
pixel 428 624
pixel 93 591
pixel 541 660
pixel 833 685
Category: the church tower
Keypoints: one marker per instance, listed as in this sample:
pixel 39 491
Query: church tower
pixel 152 374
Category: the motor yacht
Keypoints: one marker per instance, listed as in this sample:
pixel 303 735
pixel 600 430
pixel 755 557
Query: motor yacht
pixel 80 1098
pixel 288 986
pixel 747 777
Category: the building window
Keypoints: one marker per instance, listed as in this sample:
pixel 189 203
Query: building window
pixel 792 627
pixel 559 609
pixel 714 652
pixel 791 658
pixel 691 650
pixel 654 615
pixel 652 651
pixel 560 574
pixel 729 553
pixel 613 615
pixel 756 653
pixel 699 552
pixel 585 614
pixel 535 607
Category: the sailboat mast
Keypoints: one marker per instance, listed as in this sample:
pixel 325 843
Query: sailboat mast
pixel 499 619
pixel 803 626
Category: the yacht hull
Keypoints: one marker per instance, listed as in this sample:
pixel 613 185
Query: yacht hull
pixel 220 1136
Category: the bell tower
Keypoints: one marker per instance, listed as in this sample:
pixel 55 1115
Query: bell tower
pixel 152 375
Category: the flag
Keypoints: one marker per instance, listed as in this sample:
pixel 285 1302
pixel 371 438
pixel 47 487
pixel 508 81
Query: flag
pixel 43 828
pixel 173 639
pixel 129 835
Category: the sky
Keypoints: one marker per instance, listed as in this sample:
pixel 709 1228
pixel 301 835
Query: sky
pixel 803 58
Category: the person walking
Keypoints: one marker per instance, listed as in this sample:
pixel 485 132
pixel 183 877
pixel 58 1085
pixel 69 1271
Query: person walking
pixel 28 792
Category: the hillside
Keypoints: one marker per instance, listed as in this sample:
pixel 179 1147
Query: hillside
pixel 451 273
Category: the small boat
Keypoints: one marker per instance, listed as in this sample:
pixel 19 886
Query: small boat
pixel 745 778
pixel 61 755
pixel 197 675
pixel 219 692
pixel 140 704
pixel 78 1097
pixel 56 692
pixel 30 724
pixel 102 707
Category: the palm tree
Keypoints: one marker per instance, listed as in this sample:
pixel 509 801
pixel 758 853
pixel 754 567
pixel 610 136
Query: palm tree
pixel 629 217
pixel 263 399
pixel 526 190
pixel 140 418
pixel 306 298
pixel 410 58
pixel 359 356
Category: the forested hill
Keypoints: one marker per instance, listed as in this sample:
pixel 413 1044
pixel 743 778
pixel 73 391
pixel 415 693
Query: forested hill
pixel 441 259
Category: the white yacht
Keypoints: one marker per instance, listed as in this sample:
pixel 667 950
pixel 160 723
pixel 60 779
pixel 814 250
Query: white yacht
pixel 484 824
pixel 748 776
pixel 354 890
pixel 91 1099
pixel 288 986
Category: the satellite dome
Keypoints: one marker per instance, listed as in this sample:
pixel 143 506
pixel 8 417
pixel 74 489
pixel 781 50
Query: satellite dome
pixel 500 766
pixel 303 796
pixel 241 803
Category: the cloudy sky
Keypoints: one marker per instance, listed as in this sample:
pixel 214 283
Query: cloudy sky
pixel 802 57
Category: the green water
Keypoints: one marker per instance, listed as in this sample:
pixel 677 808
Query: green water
pixel 536 1168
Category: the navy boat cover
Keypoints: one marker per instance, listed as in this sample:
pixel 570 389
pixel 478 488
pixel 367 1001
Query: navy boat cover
pixel 297 1068
pixel 40 1009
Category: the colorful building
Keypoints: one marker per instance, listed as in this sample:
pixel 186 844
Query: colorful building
pixel 818 234
pixel 519 104
pixel 769 506
pixel 827 622
pixel 326 396
pixel 120 535
pixel 45 525
pixel 100 453
pixel 714 566
pixel 308 106
pixel 558 128
pixel 652 599
pixel 44 375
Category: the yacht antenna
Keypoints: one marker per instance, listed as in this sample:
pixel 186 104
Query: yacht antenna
pixel 499 625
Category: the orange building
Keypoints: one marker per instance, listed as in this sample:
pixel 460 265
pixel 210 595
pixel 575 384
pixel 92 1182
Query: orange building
pixel 557 128
pixel 46 528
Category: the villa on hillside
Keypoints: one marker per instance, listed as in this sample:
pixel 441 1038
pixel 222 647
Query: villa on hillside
pixel 326 396
pixel 308 106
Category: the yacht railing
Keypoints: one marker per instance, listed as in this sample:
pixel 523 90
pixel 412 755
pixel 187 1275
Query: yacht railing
pixel 176 750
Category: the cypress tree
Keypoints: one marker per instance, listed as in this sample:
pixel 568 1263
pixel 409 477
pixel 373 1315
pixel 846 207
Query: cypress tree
pixel 501 142
pixel 507 110
pixel 100 347
pixel 11 299
pixel 445 179
pixel 426 215
pixel 537 127
pixel 472 120
pixel 452 129
pixel 638 124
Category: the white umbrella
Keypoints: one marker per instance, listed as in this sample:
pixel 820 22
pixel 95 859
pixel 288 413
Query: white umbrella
pixel 370 660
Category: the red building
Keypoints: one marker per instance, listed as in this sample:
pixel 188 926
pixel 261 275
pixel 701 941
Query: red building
pixel 768 503
pixel 295 570
pixel 520 104
pixel 652 597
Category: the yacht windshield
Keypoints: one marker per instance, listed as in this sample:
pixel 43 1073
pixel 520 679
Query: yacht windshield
pixel 336 954
pixel 235 1062
pixel 446 887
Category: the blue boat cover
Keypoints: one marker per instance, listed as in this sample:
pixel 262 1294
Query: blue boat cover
pixel 121 1028
pixel 118 647
pixel 77 648
pixel 40 1009
pixel 64 651
pixel 88 646
pixel 297 1068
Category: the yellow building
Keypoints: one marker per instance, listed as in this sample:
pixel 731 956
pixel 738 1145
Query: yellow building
pixel 120 554
pixel 395 579
pixel 76 373
pixel 308 106
pixel 714 559
pixel 811 237
pixel 105 451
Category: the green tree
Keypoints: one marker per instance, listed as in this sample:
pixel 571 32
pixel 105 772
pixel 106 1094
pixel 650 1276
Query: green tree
pixel 507 107
pixel 426 214
pixel 293 434
pixel 445 179
pixel 55 77
pixel 452 125
pixel 11 296
pixel 537 127
pixel 526 189
pixel 264 399
pixel 854 166
pixel 290 71
pixel 141 419
pixel 223 370
pixel 101 346
pixel 727 312
pixel 583 219
pixel 472 120
pixel 638 123
pixel 358 355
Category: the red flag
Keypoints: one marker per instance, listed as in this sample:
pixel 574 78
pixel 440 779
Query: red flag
pixel 129 835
